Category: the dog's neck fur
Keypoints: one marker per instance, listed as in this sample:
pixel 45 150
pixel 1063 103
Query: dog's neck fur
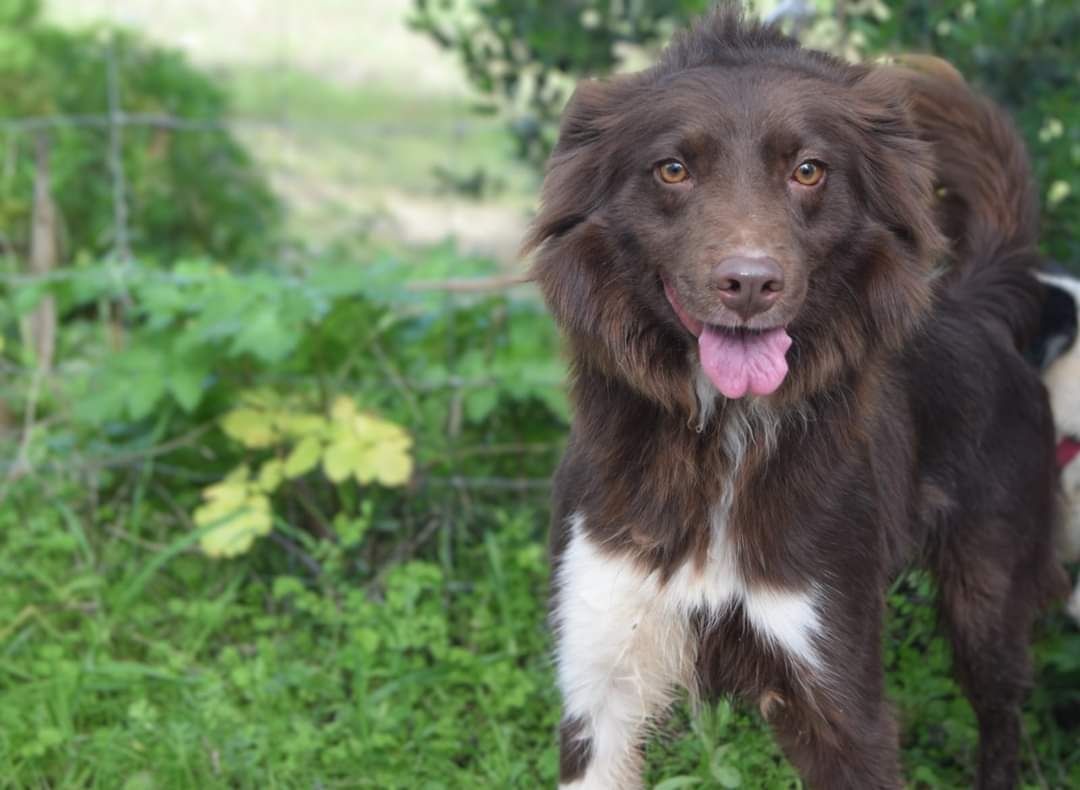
pixel 654 474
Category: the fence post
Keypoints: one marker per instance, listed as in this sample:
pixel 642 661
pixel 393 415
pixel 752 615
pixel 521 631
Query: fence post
pixel 121 237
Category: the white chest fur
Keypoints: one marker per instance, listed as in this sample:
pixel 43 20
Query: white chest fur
pixel 625 643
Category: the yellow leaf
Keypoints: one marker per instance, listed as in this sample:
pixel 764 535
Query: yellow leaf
pixel 238 529
pixel 216 511
pixel 261 399
pixel 365 469
pixel 299 425
pixel 1059 190
pixel 379 431
pixel 366 447
pixel 234 514
pixel 271 475
pixel 387 462
pixel 303 457
pixel 240 474
pixel 229 493
pixel 395 469
pixel 343 409
pixel 249 427
pixel 340 458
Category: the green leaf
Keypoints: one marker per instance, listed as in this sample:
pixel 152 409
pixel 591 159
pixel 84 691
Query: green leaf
pixel 265 337
pixel 144 393
pixel 187 373
pixel 480 403
pixel 27 297
pixel 351 530
pixel 727 776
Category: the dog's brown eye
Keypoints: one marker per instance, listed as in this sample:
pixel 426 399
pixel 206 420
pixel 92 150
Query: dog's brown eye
pixel 809 173
pixel 672 172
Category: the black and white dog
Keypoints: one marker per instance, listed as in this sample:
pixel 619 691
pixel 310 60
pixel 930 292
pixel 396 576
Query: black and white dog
pixel 1057 353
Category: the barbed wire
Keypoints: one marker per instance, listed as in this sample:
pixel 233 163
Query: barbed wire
pixel 463 286
pixel 424 386
pixel 230 123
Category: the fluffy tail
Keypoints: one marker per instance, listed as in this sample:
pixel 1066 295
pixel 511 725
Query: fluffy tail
pixel 988 206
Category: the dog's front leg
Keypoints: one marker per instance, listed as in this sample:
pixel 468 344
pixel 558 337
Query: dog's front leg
pixel 621 652
pixel 833 721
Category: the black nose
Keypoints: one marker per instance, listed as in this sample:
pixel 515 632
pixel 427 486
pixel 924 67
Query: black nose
pixel 748 286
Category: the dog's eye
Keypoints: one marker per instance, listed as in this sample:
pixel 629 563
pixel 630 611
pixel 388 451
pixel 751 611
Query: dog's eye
pixel 672 172
pixel 809 173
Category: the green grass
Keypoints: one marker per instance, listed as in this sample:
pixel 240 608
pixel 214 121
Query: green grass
pixel 129 661
pixel 126 660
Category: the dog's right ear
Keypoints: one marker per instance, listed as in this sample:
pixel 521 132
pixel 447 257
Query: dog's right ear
pixel 579 171
pixel 576 264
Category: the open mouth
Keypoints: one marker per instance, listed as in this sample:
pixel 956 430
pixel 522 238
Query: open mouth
pixel 737 360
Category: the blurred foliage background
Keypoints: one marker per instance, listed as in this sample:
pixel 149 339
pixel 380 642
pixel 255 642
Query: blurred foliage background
pixel 276 423
pixel 524 58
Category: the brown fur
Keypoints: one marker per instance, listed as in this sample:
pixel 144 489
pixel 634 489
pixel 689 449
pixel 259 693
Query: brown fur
pixel 909 428
pixel 574 751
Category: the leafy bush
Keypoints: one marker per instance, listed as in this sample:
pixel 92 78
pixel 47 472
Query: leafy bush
pixel 189 192
pixel 525 57
pixel 277 354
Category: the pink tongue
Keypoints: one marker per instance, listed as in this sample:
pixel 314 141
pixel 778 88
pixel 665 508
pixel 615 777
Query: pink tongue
pixel 741 363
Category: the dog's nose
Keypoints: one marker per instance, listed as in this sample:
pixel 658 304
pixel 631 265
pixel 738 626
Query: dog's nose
pixel 748 285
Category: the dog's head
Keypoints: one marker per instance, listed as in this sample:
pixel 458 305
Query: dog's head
pixel 742 195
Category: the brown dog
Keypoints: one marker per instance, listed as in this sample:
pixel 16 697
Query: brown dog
pixel 793 291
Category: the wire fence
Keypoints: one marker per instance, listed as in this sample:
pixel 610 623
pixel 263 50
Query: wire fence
pixel 371 129
pixel 113 123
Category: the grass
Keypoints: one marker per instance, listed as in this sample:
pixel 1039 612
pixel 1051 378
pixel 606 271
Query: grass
pixel 126 660
pixel 129 661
